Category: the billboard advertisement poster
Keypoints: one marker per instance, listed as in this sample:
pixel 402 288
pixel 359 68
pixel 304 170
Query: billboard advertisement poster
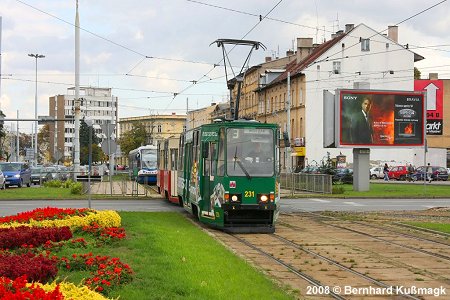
pixel 369 118
pixel 434 89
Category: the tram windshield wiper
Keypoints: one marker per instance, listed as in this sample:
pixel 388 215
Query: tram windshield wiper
pixel 240 164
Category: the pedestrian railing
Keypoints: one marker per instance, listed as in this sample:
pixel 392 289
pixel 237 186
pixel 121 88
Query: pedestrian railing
pixel 297 182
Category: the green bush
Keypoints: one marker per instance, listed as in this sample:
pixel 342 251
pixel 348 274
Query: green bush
pixel 337 189
pixel 53 183
pixel 76 188
pixel 67 184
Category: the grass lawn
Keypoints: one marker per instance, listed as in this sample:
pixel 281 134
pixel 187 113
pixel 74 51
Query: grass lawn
pixel 173 259
pixel 389 190
pixel 443 227
pixel 51 193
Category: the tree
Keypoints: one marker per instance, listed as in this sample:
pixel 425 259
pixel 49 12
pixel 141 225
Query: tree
pixel 133 139
pixel 97 153
pixel 416 73
pixel 24 142
pixel 44 142
pixel 84 135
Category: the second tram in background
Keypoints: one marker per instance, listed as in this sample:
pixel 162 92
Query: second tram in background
pixel 228 174
pixel 167 169
pixel 143 167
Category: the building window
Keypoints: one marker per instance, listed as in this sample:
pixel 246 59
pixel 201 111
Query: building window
pixel 159 128
pixel 184 128
pixel 336 67
pixel 365 44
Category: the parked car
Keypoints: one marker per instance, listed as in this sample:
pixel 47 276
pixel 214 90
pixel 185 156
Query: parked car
pixel 54 172
pixel 310 170
pixel 376 172
pixel 63 172
pixel 40 175
pixel 16 173
pixel 343 175
pixel 398 173
pixel 439 173
pixel 2 181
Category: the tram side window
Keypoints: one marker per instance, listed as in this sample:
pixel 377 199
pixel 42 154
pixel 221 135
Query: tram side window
pixel 210 163
pixel 196 146
pixel 173 159
pixel 181 154
pixel 221 157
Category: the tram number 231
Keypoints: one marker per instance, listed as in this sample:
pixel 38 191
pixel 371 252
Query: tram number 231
pixel 248 194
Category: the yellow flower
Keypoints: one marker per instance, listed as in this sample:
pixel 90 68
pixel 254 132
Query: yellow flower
pixel 104 218
pixel 72 291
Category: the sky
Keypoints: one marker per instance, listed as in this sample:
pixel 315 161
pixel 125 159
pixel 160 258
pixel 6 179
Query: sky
pixel 157 56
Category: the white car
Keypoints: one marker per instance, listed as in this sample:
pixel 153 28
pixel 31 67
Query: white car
pixel 376 172
pixel 2 181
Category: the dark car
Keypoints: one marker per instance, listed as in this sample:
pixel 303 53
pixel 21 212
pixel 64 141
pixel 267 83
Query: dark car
pixel 40 175
pixel 438 173
pixel 16 173
pixel 343 175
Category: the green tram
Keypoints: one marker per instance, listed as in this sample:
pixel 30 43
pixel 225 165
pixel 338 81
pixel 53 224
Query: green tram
pixel 228 175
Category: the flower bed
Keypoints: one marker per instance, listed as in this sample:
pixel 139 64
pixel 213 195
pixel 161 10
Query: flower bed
pixel 47 213
pixel 106 271
pixel 105 218
pixel 15 237
pixel 19 288
pixel 29 242
pixel 35 267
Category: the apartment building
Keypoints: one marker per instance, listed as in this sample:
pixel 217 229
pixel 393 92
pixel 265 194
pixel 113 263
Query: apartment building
pixel 97 104
pixel 359 57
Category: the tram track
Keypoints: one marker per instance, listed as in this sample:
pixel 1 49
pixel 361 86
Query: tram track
pixel 383 230
pixel 291 268
pixel 307 277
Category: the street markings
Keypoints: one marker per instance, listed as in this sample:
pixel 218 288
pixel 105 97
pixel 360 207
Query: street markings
pixel 354 204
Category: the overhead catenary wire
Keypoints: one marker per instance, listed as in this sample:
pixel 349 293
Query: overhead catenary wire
pixel 205 75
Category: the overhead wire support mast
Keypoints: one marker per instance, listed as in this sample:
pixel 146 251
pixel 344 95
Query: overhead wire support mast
pixel 241 75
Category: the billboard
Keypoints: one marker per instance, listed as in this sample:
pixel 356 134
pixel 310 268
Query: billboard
pixel 368 118
pixel 434 89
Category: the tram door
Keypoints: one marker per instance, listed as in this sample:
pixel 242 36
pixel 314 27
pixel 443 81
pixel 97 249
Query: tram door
pixel 209 152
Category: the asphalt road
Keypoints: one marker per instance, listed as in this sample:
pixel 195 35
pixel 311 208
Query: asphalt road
pixel 11 207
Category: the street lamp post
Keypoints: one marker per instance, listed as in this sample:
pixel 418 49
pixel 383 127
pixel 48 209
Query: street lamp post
pixel 36 56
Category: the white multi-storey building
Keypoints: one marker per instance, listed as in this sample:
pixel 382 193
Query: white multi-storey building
pixel 360 58
pixel 98 105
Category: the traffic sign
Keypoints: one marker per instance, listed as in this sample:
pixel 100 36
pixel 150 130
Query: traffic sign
pixel 108 129
pixel 45 119
pixel 112 146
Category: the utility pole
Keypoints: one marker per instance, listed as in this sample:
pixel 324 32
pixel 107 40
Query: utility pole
pixel 287 148
pixel 36 56
pixel 18 140
pixel 77 104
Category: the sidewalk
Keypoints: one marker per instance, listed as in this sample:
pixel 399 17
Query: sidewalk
pixel 122 188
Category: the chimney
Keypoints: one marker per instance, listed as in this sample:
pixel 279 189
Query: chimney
pixel 349 27
pixel 213 103
pixel 433 76
pixel 173 114
pixel 304 48
pixel 339 32
pixel 289 52
pixel 393 33
pixel 268 58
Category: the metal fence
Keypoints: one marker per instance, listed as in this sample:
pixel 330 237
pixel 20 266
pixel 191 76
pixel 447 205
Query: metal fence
pixel 317 183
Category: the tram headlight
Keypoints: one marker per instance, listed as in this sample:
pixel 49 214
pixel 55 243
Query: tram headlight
pixel 264 198
pixel 234 198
